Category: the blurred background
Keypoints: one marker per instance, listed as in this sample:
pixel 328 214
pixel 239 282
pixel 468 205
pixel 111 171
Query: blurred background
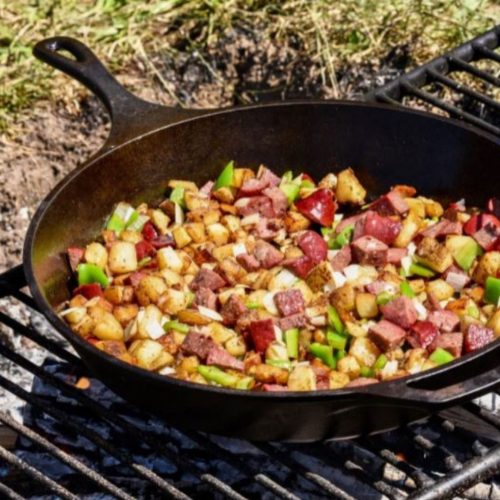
pixel 196 53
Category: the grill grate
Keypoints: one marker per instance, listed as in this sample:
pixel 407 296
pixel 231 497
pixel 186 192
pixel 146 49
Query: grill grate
pixel 76 443
pixel 444 85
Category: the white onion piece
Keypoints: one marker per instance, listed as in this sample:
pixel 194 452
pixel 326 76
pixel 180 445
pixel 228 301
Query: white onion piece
pixel 278 333
pixel 352 272
pixel 338 217
pixel 210 313
pixel 250 219
pixel 411 248
pixel 457 280
pixel 179 214
pixel 238 249
pixel 406 263
pixel 154 329
pixel 318 320
pixel 331 254
pixel 420 308
pixel 284 279
pixel 339 279
pixel 167 370
pixel 268 303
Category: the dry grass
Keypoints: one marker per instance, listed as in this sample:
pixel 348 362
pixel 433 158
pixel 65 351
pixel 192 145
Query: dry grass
pixel 127 32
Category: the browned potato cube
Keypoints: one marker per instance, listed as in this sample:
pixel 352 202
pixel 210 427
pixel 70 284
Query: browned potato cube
pixel 95 253
pixel 218 234
pixel 489 265
pixel 344 298
pixel 196 201
pixel 187 185
pixel 366 305
pixel 295 221
pixel 302 378
pixel 126 313
pixel 432 254
pixel 349 189
pixel 440 289
pixel 149 289
pixel 320 276
pixel 181 237
pixel 122 257
pixel 196 230
pixel 338 379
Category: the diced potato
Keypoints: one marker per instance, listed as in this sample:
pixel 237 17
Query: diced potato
pixel 295 221
pixel 171 277
pixel 418 285
pixel 181 237
pixel 228 209
pixel 292 252
pixel 355 330
pixel 224 296
pixel 350 366
pixel 84 327
pixel 160 220
pixel 242 174
pixel 126 313
pixel 232 223
pixel 415 359
pixel 196 230
pixel 432 207
pixel 77 301
pixel 268 374
pixel 150 289
pixel 219 333
pixel 349 189
pixel 196 201
pixel 211 217
pixel 302 378
pixel 122 257
pixel 131 236
pixel 410 227
pixel 95 253
pixel 218 234
pixel 150 354
pixel 458 306
pixel 189 364
pixel 364 350
pixel 74 315
pixel 173 301
pixel 338 380
pixel 328 182
pixel 366 305
pixel 432 254
pixel 494 323
pixel 232 271
pixel 236 346
pixel 320 276
pixel 417 207
pixel 192 317
pixel 106 326
pixel 489 265
pixel 344 298
pixel 187 185
pixel 223 252
pixel 115 348
pixel 114 294
pixel 224 195
pixel 168 258
pixel 440 289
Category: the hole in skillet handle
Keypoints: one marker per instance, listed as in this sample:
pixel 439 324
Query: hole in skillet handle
pixel 464 379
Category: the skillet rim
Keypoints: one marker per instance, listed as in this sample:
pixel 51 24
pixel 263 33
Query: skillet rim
pixel 354 392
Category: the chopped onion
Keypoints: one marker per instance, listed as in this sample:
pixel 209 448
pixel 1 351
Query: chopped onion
pixel 284 279
pixel 420 308
pixel 268 302
pixel 406 263
pixel 411 248
pixel 457 280
pixel 278 333
pixel 70 310
pixel 179 214
pixel 130 330
pixel 210 313
pixel 250 219
pixel 154 329
pixel 238 249
pixel 352 272
pixel 339 279
pixel 167 370
pixel 338 217
pixel 331 254
pixel 318 320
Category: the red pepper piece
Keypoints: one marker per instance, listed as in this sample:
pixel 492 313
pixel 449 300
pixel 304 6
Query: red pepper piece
pixel 301 266
pixel 149 231
pixel 89 291
pixel 75 256
pixel 144 249
pixel 478 221
pixel 262 333
pixel 318 207
pixel 313 245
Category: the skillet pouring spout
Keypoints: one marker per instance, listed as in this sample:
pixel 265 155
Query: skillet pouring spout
pixel 150 144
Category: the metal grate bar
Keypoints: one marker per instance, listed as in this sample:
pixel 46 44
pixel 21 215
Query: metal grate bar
pixel 35 474
pixel 469 68
pixel 455 482
pixel 42 341
pixel 8 493
pixel 74 463
pixel 452 110
pixel 484 51
pixel 94 437
pixel 449 82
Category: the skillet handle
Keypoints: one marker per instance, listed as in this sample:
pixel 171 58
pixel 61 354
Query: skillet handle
pixel 130 115
pixel 428 390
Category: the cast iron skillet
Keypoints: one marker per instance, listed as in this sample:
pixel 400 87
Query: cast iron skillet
pixel 149 144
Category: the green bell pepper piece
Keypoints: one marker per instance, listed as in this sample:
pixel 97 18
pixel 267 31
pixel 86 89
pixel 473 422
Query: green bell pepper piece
pixel 290 190
pixel 334 320
pixel 342 239
pixel 138 222
pixel 253 305
pixel 90 273
pixel 420 270
pixel 190 298
pixel 226 177
pixel 292 342
pixel 287 176
pixel 307 184
pixel 366 371
pixel 492 290
pixel 214 374
pixel 176 325
pixel 115 223
pixel 279 363
pixel 383 298
pixel 473 311
pixel 336 340
pixel 177 196
pixel 144 262
pixel 123 215
pixel 407 290
pixel 380 362
pixel 340 354
pixel 441 356
pixel 323 352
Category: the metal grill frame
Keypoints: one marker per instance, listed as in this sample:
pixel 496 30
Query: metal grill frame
pixel 439 70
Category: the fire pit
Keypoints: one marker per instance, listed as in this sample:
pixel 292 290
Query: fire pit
pixel 78 439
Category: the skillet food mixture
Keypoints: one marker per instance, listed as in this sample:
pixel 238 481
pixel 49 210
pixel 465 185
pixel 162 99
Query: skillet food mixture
pixel 268 283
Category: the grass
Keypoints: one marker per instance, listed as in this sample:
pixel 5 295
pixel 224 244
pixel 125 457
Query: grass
pixel 127 32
